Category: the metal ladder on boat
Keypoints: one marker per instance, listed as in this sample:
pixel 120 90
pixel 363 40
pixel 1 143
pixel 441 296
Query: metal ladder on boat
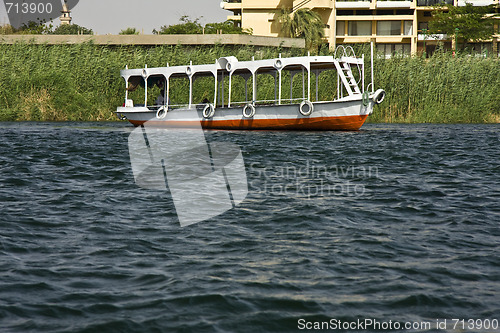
pixel 344 69
pixel 345 73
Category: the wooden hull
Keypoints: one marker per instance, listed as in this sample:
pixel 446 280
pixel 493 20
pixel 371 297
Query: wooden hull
pixel 346 115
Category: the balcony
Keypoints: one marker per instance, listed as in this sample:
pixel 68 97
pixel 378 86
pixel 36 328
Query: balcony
pixel 236 18
pixel 393 4
pixel 353 4
pixel 427 37
pixel 477 2
pixel 312 4
pixel 231 5
pixel 263 4
pixel 430 3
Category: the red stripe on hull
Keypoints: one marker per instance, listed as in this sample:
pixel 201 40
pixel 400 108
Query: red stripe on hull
pixel 344 123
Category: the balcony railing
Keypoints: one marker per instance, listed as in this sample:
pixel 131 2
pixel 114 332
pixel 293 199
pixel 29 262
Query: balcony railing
pixel 428 37
pixel 434 2
pixel 353 4
pixel 476 2
pixel 394 3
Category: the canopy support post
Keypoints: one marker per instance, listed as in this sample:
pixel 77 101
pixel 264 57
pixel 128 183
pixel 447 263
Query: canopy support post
pixel 190 91
pixel 126 90
pixel 215 88
pixel 275 88
pixel 229 97
pixel 222 90
pixel 363 72
pixel 303 84
pixel 145 88
pixel 317 85
pixel 309 82
pixel 145 92
pixel 371 56
pixel 167 92
pixel 279 87
pixel 254 92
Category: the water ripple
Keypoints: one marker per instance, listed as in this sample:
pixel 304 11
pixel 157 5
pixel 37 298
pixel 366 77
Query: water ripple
pixel 83 249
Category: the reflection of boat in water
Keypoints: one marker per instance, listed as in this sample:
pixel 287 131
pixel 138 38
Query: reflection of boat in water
pixel 347 110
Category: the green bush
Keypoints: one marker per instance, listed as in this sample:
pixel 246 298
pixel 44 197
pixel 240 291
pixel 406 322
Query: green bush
pixel 190 27
pixel 71 29
pixel 187 26
pixel 129 31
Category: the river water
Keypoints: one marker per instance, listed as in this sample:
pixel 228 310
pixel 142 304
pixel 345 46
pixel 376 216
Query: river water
pixel 391 225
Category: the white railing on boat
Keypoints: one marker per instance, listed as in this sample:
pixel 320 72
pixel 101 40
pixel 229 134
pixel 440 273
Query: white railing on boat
pixel 233 104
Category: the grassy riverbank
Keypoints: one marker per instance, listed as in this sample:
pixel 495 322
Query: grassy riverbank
pixel 441 89
pixel 82 82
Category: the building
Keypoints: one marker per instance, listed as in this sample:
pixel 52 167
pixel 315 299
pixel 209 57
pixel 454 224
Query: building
pixel 394 26
pixel 66 14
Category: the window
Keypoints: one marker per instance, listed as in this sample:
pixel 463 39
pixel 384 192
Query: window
pixel 433 2
pixel 364 12
pixel 360 28
pixel 345 12
pixel 423 25
pixel 340 28
pixel 390 49
pixel 408 28
pixel 388 28
pixel 385 12
pixel 385 49
pixel 481 48
pixel 404 11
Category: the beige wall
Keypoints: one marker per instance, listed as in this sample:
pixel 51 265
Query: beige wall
pixel 154 40
pixel 261 17
pixel 261 22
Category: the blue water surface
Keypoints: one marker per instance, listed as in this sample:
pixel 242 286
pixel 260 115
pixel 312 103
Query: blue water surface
pixel 393 223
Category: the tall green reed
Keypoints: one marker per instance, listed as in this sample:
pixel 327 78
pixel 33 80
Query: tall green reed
pixel 82 82
pixel 441 89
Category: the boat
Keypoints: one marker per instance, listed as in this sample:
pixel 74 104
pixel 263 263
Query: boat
pixel 232 107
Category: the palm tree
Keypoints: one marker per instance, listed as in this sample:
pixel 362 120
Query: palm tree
pixel 302 23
